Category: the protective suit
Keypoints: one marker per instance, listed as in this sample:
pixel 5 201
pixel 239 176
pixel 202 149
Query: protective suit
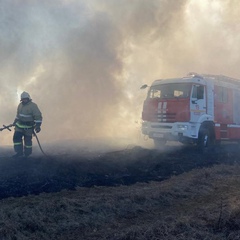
pixel 28 118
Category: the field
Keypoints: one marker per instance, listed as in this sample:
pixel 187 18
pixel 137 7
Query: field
pixel 133 193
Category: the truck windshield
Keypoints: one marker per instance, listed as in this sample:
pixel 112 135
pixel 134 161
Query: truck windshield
pixel 170 90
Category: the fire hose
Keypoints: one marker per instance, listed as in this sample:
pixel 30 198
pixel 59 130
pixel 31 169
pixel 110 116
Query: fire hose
pixel 34 134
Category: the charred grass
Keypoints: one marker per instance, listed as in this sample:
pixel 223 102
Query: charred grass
pixel 201 204
pixel 170 196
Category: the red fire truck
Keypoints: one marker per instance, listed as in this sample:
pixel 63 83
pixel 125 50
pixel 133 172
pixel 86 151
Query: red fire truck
pixel 200 109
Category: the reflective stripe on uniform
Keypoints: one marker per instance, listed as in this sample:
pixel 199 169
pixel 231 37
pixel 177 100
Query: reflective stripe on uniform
pixel 22 126
pixel 25 115
pixel 37 121
pixel 27 146
pixel 17 143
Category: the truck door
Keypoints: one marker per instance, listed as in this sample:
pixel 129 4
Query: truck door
pixel 197 102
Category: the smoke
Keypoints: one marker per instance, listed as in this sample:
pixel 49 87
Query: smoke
pixel 83 62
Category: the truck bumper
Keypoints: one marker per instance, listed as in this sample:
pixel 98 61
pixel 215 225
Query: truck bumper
pixel 178 131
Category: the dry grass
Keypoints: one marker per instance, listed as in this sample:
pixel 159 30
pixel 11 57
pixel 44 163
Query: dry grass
pixel 201 204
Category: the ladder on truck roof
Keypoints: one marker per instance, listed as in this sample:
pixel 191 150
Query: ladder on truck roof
pixel 220 78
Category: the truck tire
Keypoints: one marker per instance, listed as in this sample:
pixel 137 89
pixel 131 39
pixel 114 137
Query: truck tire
pixel 205 140
pixel 159 143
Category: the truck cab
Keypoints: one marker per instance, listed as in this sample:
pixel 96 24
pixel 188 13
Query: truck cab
pixel 175 110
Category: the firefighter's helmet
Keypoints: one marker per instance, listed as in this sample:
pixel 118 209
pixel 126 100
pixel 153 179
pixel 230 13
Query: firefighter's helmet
pixel 25 95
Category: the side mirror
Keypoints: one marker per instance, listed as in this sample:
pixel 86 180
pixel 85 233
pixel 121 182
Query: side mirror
pixel 144 86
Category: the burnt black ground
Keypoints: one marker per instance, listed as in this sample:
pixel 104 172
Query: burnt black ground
pixel 34 175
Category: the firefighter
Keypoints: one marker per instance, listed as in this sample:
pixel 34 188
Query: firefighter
pixel 28 119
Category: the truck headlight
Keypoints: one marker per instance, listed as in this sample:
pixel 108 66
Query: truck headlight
pixel 182 127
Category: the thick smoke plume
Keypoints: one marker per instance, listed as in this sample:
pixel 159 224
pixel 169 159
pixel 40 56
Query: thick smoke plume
pixel 83 61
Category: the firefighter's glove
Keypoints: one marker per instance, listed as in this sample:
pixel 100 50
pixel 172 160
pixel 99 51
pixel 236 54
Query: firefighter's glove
pixel 37 128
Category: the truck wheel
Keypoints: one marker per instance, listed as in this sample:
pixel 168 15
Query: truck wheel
pixel 205 140
pixel 159 143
